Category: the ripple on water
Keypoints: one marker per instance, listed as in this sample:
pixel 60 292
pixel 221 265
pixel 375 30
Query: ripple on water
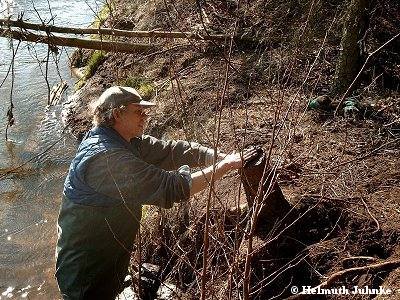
pixel 29 291
pixel 8 292
pixel 8 190
pixel 27 258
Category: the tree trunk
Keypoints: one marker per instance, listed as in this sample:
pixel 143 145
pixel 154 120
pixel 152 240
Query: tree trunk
pixel 351 49
pixel 5 24
pixel 53 40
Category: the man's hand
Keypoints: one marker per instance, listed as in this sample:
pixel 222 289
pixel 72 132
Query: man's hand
pixel 235 160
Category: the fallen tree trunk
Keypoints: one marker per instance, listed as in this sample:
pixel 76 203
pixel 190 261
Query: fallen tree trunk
pixel 115 32
pixel 53 40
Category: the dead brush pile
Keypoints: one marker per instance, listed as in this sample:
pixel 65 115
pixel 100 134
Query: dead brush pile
pixel 340 174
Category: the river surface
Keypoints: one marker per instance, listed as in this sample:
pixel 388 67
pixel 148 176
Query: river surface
pixel 30 198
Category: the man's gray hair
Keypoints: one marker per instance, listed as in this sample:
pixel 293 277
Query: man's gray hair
pixel 103 116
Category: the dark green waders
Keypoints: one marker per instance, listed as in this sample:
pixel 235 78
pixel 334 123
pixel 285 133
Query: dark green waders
pixel 93 249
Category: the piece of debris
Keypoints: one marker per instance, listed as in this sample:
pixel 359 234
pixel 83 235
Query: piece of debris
pixel 322 102
pixel 351 108
pixel 57 91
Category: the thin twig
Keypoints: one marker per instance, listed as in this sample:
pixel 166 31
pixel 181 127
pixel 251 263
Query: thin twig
pixel 206 241
pixel 378 227
pixel 387 265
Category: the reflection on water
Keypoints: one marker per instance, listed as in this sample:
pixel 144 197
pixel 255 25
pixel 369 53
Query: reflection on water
pixel 6 8
pixel 30 196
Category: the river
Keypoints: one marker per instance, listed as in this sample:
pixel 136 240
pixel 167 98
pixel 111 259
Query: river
pixel 30 199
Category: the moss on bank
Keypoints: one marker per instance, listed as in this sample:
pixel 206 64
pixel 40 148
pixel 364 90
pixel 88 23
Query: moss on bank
pixel 143 85
pixel 95 60
pixel 97 57
pixel 104 13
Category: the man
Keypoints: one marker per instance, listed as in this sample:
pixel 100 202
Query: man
pixel 116 170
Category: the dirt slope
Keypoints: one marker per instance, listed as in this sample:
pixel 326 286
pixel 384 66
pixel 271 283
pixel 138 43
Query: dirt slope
pixel 341 173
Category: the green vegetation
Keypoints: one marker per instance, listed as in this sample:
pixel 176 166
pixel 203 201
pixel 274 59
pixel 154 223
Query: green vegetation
pixel 94 62
pixel 143 85
pixel 80 83
pixel 97 57
pixel 103 14
pixel 101 18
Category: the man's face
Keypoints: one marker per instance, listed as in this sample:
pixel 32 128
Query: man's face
pixel 134 119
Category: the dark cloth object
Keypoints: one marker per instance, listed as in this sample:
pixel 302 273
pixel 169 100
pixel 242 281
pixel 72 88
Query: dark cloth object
pixel 275 208
pixel 108 182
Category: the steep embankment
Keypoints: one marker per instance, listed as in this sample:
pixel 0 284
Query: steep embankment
pixel 341 173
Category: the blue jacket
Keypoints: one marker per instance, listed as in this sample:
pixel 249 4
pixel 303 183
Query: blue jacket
pixel 96 141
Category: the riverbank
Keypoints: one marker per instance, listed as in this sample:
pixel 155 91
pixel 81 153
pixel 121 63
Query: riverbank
pixel 340 173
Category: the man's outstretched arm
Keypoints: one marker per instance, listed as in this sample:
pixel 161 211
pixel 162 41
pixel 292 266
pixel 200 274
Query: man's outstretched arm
pixel 170 155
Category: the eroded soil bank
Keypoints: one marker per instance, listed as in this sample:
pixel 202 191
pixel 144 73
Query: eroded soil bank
pixel 341 174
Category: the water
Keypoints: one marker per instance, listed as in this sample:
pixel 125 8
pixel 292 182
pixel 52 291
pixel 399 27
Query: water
pixel 29 200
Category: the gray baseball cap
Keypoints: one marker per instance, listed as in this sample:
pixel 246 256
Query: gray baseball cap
pixel 121 95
